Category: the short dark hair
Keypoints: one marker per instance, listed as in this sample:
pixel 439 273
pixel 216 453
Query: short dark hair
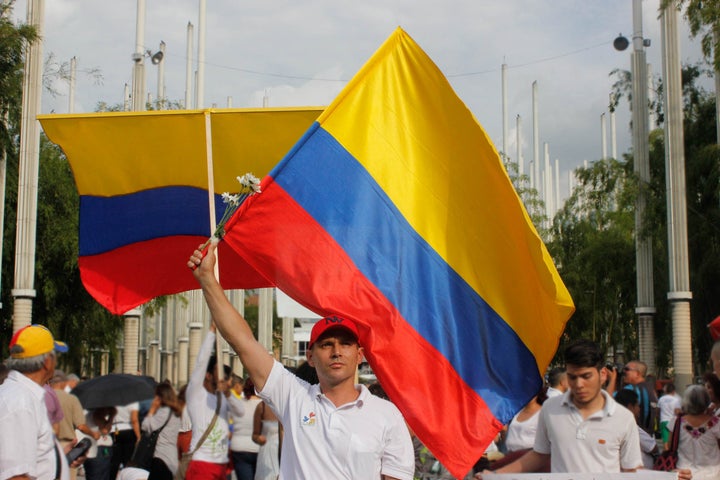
pixel 211 367
pixel 584 353
pixel 627 397
pixel 555 376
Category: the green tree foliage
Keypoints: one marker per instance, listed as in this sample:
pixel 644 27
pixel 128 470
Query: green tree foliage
pixel 593 246
pixel 13 39
pixel 62 302
pixel 703 17
pixel 593 237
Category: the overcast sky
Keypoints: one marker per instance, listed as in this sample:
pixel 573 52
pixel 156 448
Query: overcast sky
pixel 301 53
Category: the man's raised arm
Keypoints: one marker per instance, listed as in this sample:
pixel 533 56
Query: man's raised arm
pixel 233 327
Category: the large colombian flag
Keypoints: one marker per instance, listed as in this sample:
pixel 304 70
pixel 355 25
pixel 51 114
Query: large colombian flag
pixel 143 180
pixel 395 210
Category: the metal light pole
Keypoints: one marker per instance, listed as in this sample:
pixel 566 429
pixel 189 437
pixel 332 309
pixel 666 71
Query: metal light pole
pixel 645 309
pixel 679 275
pixel 138 81
pixel 159 60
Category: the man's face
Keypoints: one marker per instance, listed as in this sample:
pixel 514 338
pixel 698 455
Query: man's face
pixel 631 374
pixel 585 383
pixel 335 356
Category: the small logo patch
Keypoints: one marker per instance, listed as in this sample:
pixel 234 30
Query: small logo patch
pixel 309 420
pixel 601 441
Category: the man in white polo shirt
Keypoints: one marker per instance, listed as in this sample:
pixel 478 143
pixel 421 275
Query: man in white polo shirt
pixel 584 430
pixel 335 429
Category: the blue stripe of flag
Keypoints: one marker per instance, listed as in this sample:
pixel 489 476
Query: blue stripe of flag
pixel 107 223
pixel 432 297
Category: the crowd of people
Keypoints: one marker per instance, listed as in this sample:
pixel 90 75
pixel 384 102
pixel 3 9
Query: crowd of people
pixel 317 422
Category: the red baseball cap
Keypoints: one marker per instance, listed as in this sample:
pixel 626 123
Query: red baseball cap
pixel 321 326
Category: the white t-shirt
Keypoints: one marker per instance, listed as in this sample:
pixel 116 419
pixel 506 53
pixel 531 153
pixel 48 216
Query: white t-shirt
pixel 667 405
pixel 606 441
pixel 553 392
pixel 201 404
pixel 122 419
pixel 241 440
pixel 356 441
pixel 27 442
pixel 521 435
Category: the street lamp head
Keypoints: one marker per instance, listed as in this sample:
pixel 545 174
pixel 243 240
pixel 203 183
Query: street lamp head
pixel 621 43
pixel 157 58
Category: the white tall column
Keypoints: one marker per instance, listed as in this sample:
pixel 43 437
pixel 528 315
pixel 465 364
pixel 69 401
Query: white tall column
pixel 194 343
pixel 131 338
pixel 536 139
pixel 138 83
pixel 518 141
pixel 188 68
pixel 613 131
pixel 679 293
pixel 162 101
pixel 71 93
pixel 288 335
pixel 265 315
pixel 603 136
pixel 556 186
pixel 23 290
pixel 202 26
pixel 183 361
pixel 504 113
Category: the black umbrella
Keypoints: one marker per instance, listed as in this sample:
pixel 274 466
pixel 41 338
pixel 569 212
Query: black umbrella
pixel 114 389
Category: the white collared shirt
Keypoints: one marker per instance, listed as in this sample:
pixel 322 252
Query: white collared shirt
pixel 356 441
pixel 606 441
pixel 26 436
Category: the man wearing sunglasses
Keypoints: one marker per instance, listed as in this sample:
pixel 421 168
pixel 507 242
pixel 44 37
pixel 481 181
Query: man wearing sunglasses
pixel 634 379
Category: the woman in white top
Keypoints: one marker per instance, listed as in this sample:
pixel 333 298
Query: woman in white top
pixel 243 450
pixel 522 428
pixel 699 434
pixel 165 412
pixel 97 465
pixel 266 433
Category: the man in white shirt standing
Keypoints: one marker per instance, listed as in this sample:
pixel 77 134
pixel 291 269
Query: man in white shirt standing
pixel 583 430
pixel 335 429
pixel 28 448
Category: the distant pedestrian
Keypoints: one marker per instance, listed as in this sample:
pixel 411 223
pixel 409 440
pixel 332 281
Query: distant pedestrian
pixel 208 401
pixel 557 382
pixel 699 435
pixel 669 406
pixel 165 412
pixel 73 416
pixel 243 449
pixel 266 433
pixel 71 381
pixel 126 433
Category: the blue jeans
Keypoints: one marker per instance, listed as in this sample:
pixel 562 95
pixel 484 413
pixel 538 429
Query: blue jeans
pixel 244 464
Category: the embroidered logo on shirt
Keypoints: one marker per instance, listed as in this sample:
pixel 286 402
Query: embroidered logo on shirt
pixel 309 419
